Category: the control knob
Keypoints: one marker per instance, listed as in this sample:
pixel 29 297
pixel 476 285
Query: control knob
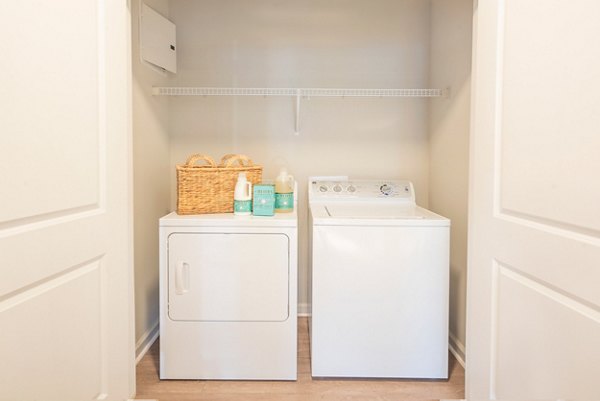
pixel 386 189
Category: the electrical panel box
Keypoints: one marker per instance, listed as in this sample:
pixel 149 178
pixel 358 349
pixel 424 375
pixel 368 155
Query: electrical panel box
pixel 157 37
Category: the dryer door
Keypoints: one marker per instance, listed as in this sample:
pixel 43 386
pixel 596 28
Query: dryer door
pixel 228 277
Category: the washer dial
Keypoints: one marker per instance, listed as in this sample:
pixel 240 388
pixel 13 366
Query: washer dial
pixel 386 189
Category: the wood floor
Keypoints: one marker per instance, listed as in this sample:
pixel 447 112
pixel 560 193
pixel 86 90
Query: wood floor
pixel 304 389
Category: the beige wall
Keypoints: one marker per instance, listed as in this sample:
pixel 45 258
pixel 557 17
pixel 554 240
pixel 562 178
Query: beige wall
pixel 451 25
pixel 339 43
pixel 151 180
pixel 347 44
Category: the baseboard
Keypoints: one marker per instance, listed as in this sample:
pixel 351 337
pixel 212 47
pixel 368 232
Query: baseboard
pixel 304 309
pixel 458 349
pixel 145 342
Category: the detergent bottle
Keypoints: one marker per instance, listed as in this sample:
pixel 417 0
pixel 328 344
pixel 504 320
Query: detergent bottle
pixel 242 196
pixel 284 192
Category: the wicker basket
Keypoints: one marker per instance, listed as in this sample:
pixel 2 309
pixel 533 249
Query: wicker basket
pixel 209 188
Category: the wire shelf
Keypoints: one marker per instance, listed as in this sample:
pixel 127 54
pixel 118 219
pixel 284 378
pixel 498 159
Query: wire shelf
pixel 298 93
pixel 304 92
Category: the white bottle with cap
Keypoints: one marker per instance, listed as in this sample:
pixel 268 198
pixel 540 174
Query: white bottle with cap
pixel 242 196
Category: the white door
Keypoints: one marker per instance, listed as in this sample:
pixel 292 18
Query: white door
pixel 65 244
pixel 533 328
pixel 208 282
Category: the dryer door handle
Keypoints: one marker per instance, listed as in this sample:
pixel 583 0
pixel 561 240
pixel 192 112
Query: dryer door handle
pixel 182 278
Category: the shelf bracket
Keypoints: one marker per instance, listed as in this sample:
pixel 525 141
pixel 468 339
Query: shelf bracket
pixel 298 96
pixel 446 93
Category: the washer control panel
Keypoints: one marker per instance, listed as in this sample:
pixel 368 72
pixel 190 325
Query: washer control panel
pixel 362 189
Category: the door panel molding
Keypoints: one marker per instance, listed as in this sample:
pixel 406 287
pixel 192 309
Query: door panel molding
pixel 32 223
pixel 546 135
pixel 40 204
pixel 32 290
pixel 520 343
pixel 540 222
pixel 571 301
pixel 572 232
pixel 66 309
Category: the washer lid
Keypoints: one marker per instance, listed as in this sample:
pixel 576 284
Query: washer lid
pixel 371 213
pixel 353 211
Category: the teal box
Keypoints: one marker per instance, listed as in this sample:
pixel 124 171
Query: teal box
pixel 263 200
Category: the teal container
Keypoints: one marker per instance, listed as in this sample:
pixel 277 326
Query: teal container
pixel 284 203
pixel 242 206
pixel 263 200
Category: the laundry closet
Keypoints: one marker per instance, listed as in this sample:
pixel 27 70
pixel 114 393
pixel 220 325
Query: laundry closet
pixel 90 147
pixel 351 45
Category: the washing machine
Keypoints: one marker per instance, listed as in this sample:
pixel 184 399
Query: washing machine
pixel 379 281
pixel 228 297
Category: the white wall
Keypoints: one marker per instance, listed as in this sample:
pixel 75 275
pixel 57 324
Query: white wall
pixel 338 43
pixel 152 169
pixel 450 57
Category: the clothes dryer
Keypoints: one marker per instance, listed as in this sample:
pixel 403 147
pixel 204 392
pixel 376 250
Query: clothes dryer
pixel 228 296
pixel 379 285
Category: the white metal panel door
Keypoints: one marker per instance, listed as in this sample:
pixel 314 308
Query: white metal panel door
pixel 534 236
pixel 231 277
pixel 66 289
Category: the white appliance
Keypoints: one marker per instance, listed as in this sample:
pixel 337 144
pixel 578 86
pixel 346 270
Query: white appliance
pixel 380 267
pixel 228 297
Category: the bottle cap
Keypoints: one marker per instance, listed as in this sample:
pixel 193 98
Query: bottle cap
pixel 282 174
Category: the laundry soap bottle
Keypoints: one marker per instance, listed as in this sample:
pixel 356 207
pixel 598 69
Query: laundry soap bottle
pixel 284 192
pixel 242 196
